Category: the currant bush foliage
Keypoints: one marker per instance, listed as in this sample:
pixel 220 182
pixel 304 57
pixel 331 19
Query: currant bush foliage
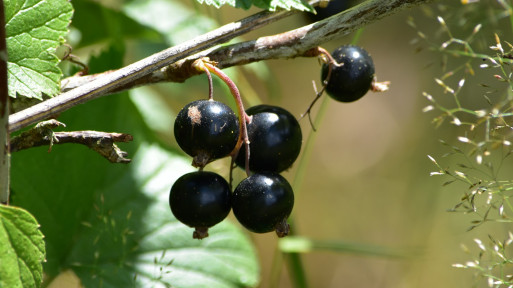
pixel 476 98
pixel 34 30
pixel 88 227
pixel 23 249
pixel 267 5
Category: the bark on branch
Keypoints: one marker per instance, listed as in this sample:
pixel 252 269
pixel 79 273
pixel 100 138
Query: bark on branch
pixel 174 64
pixel 101 142
pixel 4 114
pixel 106 84
pixel 290 44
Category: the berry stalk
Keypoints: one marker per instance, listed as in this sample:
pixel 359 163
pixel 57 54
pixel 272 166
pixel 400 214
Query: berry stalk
pixel 325 58
pixel 210 85
pixel 203 65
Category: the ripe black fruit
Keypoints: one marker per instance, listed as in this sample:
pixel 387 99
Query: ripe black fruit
pixel 201 200
pixel 350 81
pixel 275 139
pixel 263 202
pixel 206 130
pixel 333 7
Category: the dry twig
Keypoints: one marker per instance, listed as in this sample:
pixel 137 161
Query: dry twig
pixel 103 143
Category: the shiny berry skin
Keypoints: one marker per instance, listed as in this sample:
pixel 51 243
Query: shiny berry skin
pixel 200 200
pixel 350 81
pixel 275 139
pixel 206 130
pixel 333 7
pixel 263 202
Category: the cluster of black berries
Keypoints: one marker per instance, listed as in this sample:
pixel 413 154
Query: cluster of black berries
pixel 208 130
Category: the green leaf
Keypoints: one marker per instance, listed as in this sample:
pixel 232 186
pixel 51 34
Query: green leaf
pixel 98 23
pixel 34 29
pixel 59 188
pixel 111 223
pixel 133 233
pixel 183 25
pixel 37 176
pixel 110 58
pixel 22 250
pixel 270 5
pixel 153 109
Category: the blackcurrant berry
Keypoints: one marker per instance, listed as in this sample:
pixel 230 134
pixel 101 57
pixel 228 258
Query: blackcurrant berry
pixel 333 7
pixel 206 130
pixel 263 202
pixel 350 80
pixel 200 200
pixel 275 139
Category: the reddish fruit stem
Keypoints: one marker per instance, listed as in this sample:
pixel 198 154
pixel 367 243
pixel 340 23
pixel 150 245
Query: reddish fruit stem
pixel 243 117
pixel 210 85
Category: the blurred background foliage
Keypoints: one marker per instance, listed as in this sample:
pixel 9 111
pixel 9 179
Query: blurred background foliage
pixel 366 181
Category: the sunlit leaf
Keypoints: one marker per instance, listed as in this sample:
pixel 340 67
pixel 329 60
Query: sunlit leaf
pixel 34 29
pixel 266 5
pixel 22 250
pixel 134 234
pixel 98 23
pixel 110 223
pixel 176 21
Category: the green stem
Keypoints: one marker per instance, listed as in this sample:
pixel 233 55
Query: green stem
pixel 297 270
pixel 307 245
pixel 308 150
pixel 293 260
pixel 357 36
pixel 510 15
pixel 276 268
pixel 508 204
